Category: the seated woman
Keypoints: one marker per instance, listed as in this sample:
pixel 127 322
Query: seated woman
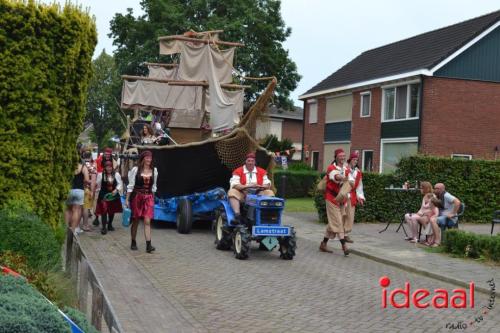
pixel 147 137
pixel 427 217
pixel 412 218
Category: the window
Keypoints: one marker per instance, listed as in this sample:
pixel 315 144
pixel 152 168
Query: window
pixel 392 150
pixel 367 161
pixel 313 113
pixel 461 157
pixel 401 102
pixel 366 104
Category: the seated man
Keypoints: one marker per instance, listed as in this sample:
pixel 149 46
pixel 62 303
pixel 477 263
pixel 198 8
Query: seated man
pixel 248 177
pixel 450 206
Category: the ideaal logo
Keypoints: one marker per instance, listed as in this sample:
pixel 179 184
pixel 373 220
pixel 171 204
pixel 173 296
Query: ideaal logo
pixel 460 299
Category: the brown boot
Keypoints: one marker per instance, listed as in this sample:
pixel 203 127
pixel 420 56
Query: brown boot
pixel 348 239
pixel 324 248
pixel 345 249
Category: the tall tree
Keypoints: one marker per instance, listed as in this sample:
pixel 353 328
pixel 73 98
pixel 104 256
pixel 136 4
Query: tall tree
pixel 103 110
pixel 256 23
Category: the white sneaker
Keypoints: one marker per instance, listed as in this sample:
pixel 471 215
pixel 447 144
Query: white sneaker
pixel 78 230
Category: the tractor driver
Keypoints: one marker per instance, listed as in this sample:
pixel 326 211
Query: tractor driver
pixel 246 178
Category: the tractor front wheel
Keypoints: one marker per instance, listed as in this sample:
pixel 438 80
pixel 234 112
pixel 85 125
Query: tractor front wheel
pixel 288 245
pixel 241 243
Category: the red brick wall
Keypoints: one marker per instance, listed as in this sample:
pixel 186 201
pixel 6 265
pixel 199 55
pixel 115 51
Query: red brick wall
pixel 314 133
pixel 460 116
pixel 365 132
pixel 292 130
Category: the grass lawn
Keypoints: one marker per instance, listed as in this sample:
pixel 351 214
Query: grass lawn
pixel 300 205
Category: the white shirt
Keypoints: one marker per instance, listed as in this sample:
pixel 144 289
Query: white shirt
pixel 338 170
pixel 250 177
pixel 131 179
pixel 359 190
pixel 119 183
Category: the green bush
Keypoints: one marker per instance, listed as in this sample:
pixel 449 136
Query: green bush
pixel 23 232
pixel 80 320
pixel 470 181
pixel 298 182
pixel 45 67
pixel 474 182
pixel 24 310
pixel 299 166
pixel 470 245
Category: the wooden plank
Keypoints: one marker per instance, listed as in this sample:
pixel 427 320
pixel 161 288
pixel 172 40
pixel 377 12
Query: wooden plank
pixel 197 40
pixel 183 83
pixel 83 285
pixel 97 302
pixel 160 64
pixel 74 260
pixel 69 249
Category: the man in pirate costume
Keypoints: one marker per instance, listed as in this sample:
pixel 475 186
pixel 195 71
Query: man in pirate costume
pixel 336 175
pixel 140 197
pixel 108 201
pixel 247 178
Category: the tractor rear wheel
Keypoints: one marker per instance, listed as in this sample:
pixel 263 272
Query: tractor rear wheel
pixel 241 243
pixel 222 232
pixel 184 216
pixel 288 245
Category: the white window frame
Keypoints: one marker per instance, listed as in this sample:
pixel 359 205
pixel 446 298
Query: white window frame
pixel 413 139
pixel 408 100
pixel 363 158
pixel 309 112
pixel 364 93
pixel 469 157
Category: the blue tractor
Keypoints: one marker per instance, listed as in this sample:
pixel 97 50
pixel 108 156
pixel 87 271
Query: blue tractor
pixel 260 221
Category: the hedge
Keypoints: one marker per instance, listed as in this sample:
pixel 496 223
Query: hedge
pixel 23 232
pixel 470 245
pixel 474 182
pixel 299 183
pixel 24 310
pixel 45 68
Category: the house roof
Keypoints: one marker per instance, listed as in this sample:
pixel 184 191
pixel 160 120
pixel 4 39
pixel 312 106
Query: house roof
pixel 296 114
pixel 423 51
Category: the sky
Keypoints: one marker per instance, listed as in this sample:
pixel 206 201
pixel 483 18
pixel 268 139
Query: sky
pixel 326 34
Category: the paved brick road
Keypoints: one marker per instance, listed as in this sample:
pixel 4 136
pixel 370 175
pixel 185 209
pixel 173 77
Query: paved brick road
pixel 189 286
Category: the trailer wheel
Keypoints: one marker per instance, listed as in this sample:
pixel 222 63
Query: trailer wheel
pixel 241 243
pixel 288 245
pixel 184 216
pixel 222 232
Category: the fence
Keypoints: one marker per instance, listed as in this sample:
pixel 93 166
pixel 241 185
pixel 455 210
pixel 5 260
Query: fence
pixel 83 273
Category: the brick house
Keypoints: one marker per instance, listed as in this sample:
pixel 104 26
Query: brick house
pixel 285 124
pixel 437 93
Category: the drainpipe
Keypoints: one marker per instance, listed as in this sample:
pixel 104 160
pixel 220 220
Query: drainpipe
pixel 420 113
pixel 303 130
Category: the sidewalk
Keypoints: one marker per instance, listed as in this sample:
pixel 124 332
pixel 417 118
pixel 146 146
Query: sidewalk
pixel 390 248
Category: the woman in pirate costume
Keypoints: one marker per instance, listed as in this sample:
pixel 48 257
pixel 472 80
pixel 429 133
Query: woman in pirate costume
pixel 140 197
pixel 108 201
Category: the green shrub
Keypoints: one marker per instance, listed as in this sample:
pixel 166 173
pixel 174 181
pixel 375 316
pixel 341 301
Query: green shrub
pixel 24 310
pixel 299 166
pixel 298 182
pixel 80 320
pixel 23 232
pixel 470 245
pixel 45 66
pixel 473 182
pixel 470 181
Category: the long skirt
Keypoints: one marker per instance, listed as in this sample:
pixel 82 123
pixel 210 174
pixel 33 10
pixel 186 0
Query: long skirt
pixel 336 220
pixel 108 207
pixel 142 206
